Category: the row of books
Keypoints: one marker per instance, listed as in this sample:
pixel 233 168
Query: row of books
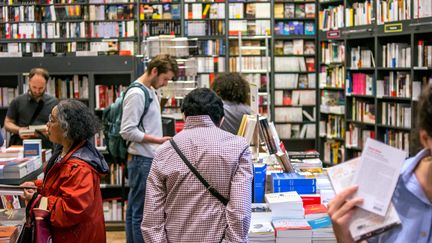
pixel 424 57
pixel 291 114
pixel 249 27
pixel 360 13
pixel 168 44
pixel 332 76
pixel 294 28
pixel 252 47
pixel 396 55
pixel 362 57
pixel 295 97
pixel 397 115
pixel 76 87
pixel 160 11
pixel 249 10
pixel 396 84
pixel 205 28
pixel 334 152
pixel 294 64
pixel 255 63
pixel 332 52
pixel 397 139
pixel 211 47
pixel 363 111
pixel 294 81
pixel 110 12
pixel 90 48
pixel 333 98
pixel 331 18
pixel 210 64
pixel 105 95
pixel 121 29
pixel 392 10
pixel 7 95
pixel 164 28
pixel 258 79
pixel 333 128
pixel 204 11
pixel 112 210
pixel 356 136
pixel 294 47
pixel 359 84
pixel 293 10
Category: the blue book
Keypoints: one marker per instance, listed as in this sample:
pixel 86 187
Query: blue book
pixel 298 189
pixel 324 222
pixel 290 179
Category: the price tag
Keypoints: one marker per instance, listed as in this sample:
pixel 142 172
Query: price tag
pixel 392 28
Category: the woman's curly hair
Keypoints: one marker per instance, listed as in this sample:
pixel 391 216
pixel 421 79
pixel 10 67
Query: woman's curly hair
pixel 232 87
pixel 76 119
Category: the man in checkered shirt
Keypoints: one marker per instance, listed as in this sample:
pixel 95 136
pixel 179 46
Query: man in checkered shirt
pixel 178 208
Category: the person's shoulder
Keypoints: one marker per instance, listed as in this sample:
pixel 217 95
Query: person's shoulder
pixel 50 98
pixel 230 138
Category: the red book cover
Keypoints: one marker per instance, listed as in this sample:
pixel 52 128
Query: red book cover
pixel 314 209
pixel 309 199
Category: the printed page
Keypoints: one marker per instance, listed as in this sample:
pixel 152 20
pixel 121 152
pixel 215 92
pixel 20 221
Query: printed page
pixel 377 175
pixel 363 224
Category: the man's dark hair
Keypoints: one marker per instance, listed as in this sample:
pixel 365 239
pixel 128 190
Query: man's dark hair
pixel 76 119
pixel 163 63
pixel 203 101
pixel 39 71
pixel 232 87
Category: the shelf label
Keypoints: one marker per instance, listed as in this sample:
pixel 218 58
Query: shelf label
pixel 392 28
pixel 333 34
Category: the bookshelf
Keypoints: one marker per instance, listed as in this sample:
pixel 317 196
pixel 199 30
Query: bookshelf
pixel 100 71
pixel 294 75
pixel 9 89
pixel 384 70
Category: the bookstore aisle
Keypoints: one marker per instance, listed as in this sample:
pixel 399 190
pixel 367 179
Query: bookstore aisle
pixel 326 76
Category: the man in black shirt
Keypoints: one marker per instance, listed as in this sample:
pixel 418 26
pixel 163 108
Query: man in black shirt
pixel 31 108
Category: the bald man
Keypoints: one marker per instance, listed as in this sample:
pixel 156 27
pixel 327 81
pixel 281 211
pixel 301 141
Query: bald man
pixel 31 108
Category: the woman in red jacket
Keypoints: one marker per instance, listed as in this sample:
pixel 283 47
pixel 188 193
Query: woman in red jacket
pixel 72 176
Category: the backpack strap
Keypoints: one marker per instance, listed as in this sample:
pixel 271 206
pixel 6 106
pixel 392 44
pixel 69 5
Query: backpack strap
pixel 147 101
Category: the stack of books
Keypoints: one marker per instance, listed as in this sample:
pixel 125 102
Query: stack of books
pixel 261 229
pixel 292 230
pixel 285 205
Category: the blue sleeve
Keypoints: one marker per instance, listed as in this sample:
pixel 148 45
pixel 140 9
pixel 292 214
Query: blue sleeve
pixel 1 139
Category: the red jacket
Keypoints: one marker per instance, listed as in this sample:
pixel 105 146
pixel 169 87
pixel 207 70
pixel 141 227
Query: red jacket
pixel 74 196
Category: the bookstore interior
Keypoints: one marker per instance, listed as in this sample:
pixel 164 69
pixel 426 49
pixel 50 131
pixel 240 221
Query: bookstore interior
pixel 328 80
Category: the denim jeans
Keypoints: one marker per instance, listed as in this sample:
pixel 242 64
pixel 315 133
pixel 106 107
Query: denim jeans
pixel 138 171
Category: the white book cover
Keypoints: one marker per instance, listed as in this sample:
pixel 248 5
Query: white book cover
pixel 284 197
pixel 380 165
pixel 363 223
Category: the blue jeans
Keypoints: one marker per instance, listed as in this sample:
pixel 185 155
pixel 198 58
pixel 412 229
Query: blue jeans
pixel 138 171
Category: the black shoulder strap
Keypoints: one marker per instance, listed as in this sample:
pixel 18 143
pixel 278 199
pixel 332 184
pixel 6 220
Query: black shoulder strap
pixel 36 112
pixel 211 189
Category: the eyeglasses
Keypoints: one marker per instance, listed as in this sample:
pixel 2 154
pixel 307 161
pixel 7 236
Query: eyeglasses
pixel 51 119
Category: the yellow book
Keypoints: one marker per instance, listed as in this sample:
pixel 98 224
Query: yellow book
pixel 205 11
pixel 242 126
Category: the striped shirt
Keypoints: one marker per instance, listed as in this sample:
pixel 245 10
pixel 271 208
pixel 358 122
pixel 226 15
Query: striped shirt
pixel 178 208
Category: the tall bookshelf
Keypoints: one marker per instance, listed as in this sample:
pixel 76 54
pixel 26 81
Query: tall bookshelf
pixel 294 73
pixel 383 71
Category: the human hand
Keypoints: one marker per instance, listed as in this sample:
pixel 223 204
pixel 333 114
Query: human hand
pixel 28 193
pixel 341 209
pixel 24 136
pixel 164 139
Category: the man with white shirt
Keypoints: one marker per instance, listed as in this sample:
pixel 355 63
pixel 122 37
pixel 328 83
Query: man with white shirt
pixel 145 134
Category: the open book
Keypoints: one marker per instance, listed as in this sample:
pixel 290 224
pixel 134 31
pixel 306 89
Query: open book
pixel 31 131
pixel 363 224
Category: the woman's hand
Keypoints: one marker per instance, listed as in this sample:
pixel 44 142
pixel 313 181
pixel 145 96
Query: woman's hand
pixel 28 193
pixel 341 210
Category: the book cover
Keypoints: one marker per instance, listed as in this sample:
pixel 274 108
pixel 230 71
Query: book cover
pixel 309 28
pixel 32 147
pixel 300 11
pixel 289 10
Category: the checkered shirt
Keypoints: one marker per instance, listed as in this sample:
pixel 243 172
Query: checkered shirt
pixel 178 208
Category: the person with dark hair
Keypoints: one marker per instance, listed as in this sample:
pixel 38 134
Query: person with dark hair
pixel 31 108
pixel 72 176
pixel 178 207
pixel 142 126
pixel 412 198
pixel 235 93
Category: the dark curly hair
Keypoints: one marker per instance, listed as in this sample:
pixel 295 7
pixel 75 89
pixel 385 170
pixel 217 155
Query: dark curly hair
pixel 203 101
pixel 232 87
pixel 76 119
